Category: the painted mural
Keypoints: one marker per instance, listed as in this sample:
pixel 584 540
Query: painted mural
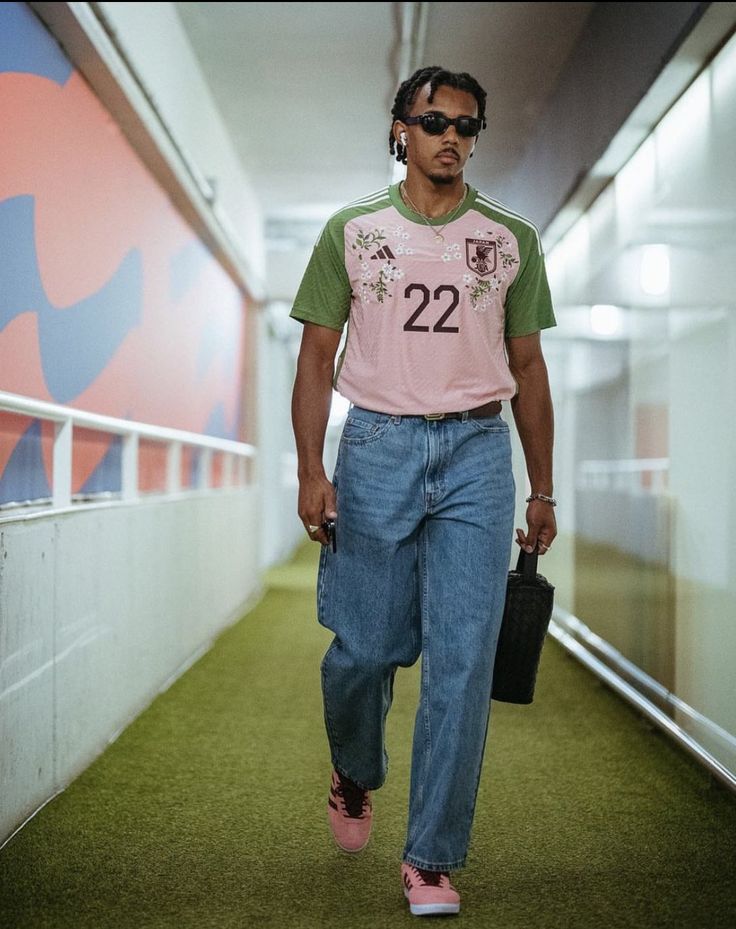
pixel 108 300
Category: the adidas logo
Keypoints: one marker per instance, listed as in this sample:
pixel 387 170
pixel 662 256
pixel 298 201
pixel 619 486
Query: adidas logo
pixel 384 253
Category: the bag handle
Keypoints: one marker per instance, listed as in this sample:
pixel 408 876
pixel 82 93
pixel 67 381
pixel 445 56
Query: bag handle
pixel 527 565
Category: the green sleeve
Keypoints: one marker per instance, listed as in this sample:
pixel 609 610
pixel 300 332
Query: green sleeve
pixel 324 293
pixel 528 301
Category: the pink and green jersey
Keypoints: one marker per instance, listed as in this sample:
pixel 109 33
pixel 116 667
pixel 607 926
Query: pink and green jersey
pixel 426 319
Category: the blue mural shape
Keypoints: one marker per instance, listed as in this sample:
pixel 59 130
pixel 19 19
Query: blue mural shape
pixel 107 476
pixel 217 424
pixel 27 48
pixel 24 477
pixel 185 267
pixel 76 342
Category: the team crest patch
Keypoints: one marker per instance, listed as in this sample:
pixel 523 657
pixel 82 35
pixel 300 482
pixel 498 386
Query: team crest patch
pixel 480 256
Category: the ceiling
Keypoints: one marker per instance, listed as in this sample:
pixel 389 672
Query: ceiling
pixel 306 89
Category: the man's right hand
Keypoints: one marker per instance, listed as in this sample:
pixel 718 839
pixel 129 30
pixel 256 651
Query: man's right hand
pixel 317 503
pixel 310 412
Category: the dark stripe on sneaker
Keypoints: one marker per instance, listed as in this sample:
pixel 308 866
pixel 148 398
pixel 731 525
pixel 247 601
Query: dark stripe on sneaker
pixel 430 878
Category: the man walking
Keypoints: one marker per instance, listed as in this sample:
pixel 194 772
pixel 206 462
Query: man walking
pixel 444 292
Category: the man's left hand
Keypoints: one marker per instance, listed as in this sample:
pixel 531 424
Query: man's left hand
pixel 542 528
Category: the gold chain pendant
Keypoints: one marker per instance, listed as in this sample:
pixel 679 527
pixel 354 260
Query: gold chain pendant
pixel 438 237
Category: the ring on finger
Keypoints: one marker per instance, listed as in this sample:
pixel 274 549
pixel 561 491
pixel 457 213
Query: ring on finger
pixel 312 529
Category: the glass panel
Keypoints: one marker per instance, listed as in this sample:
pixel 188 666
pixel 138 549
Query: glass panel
pixel 643 368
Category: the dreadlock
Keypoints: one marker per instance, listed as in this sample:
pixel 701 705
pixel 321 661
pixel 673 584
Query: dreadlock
pixel 437 77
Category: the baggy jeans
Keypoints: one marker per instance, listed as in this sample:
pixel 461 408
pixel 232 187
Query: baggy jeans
pixel 425 512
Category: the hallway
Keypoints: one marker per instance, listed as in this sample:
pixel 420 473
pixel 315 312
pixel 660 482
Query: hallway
pixel 210 809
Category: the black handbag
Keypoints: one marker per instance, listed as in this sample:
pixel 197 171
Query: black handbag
pixel 528 610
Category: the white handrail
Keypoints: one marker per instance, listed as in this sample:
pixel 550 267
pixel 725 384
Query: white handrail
pixel 65 418
pixel 623 465
pixel 14 403
pixel 622 473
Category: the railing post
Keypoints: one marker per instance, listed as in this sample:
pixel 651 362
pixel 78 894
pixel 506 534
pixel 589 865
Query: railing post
pixel 238 459
pixel 129 477
pixel 228 471
pixel 204 478
pixel 62 466
pixel 173 468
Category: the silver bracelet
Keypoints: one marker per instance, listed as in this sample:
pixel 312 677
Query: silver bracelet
pixel 543 497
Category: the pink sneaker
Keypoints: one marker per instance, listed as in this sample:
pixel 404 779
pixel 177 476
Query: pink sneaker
pixel 351 813
pixel 429 892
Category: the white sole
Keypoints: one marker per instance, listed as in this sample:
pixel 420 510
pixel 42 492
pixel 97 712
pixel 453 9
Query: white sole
pixel 432 909
pixel 349 851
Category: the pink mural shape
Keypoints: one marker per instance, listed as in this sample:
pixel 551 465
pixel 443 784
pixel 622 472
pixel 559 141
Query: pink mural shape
pixel 108 300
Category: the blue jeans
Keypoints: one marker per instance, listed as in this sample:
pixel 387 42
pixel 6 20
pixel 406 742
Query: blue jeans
pixel 425 512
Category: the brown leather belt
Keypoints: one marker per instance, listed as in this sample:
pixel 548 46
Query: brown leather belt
pixel 492 408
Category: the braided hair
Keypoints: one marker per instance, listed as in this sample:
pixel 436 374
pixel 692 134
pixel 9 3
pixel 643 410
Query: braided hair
pixel 436 77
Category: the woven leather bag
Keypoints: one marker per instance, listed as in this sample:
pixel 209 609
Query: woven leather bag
pixel 529 600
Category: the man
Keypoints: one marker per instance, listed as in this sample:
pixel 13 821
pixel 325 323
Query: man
pixel 444 292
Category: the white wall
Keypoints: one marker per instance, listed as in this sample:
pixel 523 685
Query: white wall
pixel 278 349
pixel 280 529
pixel 99 609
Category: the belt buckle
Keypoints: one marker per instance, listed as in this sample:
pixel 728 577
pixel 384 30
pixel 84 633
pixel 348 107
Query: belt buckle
pixel 434 415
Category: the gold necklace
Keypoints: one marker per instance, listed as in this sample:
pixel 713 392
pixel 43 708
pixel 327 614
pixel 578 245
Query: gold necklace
pixel 438 237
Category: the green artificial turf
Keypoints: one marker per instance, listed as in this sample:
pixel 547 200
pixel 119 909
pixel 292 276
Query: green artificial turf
pixel 210 809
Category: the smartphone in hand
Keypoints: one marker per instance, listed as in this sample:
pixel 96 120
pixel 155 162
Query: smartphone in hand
pixel 331 532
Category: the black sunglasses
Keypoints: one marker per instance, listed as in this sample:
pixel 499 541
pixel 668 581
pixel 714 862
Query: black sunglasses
pixel 437 124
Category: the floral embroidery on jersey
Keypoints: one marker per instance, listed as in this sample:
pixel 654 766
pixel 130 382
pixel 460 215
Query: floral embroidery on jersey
pixel 365 241
pixel 376 284
pixel 452 252
pixel 483 291
pixel 398 232
pixel 386 274
pixel 480 294
pixel 502 243
pixel 507 259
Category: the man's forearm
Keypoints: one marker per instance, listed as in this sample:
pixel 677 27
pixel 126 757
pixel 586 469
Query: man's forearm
pixel 310 411
pixel 532 409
